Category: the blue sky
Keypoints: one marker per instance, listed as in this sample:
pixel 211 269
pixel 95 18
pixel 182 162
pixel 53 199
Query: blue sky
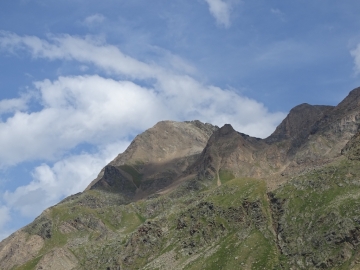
pixel 79 79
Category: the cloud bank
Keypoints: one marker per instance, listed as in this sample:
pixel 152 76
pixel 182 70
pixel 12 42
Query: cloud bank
pixel 52 183
pixel 101 112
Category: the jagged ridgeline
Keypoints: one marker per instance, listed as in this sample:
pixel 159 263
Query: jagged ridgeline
pixel 191 195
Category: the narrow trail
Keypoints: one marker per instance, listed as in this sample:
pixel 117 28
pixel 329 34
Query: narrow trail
pixel 218 177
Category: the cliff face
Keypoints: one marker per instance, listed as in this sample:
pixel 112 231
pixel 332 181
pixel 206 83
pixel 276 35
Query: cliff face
pixel 195 196
pixel 155 159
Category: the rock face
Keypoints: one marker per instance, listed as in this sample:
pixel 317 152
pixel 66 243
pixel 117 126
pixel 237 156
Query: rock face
pixel 58 259
pixel 191 195
pixel 18 249
pixel 155 159
pixel 297 126
pixel 228 150
pixel 352 148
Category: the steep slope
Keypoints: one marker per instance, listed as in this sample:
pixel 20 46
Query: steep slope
pixel 194 196
pixel 155 158
pixel 352 148
pixel 228 152
pixel 316 217
pixel 298 124
pixel 330 134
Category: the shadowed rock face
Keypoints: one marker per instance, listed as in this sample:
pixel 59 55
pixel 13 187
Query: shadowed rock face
pixel 298 123
pixel 170 151
pixel 155 158
pixel 180 197
pixel 344 118
pixel 165 141
pixel 229 150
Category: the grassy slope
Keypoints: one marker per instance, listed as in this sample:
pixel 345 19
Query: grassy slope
pixel 226 227
pixel 321 220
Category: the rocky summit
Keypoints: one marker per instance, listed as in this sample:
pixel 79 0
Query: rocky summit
pixel 190 195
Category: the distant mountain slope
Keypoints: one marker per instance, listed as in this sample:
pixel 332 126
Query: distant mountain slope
pixel 155 158
pixel 191 195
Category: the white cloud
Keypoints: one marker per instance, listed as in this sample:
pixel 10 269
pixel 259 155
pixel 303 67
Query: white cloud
pixel 52 183
pixel 90 109
pixel 356 54
pixel 75 110
pixel 94 109
pixel 13 105
pixel 94 19
pixel 221 11
pixel 85 50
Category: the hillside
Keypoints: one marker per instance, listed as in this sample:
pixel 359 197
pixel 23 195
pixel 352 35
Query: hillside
pixel 190 195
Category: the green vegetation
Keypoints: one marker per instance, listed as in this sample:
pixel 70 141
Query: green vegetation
pixel 311 222
pixel 321 214
pixel 30 265
pixel 136 176
pixel 225 176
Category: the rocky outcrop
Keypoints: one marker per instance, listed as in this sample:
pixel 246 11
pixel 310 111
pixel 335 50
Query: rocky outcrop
pixel 58 259
pixel 155 158
pixel 116 180
pixel 298 124
pixel 228 150
pixel 194 196
pixel 352 148
pixel 165 141
pixel 19 248
pixel 344 119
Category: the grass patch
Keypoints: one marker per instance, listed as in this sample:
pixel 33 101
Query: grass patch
pixel 30 265
pixel 320 209
pixel 136 176
pixel 255 252
pixel 235 191
pixel 225 176
pixel 130 221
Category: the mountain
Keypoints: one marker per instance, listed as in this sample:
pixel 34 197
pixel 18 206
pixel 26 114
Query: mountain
pixel 154 159
pixel 190 195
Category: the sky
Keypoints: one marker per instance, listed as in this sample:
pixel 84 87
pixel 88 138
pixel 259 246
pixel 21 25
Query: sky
pixel 79 79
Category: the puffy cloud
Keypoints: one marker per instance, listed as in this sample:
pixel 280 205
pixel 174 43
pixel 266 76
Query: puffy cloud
pixel 220 10
pixel 93 109
pixel 85 50
pixel 100 112
pixel 83 109
pixel 189 99
pixel 52 183
pixel 13 105
pixel 356 54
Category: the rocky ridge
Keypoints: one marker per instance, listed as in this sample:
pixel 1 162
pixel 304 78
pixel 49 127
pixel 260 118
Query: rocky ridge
pixel 194 196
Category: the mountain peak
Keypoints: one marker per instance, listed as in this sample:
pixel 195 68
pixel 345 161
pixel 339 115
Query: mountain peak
pixel 299 122
pixel 205 185
pixel 155 158
pixel 351 101
pixel 226 129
